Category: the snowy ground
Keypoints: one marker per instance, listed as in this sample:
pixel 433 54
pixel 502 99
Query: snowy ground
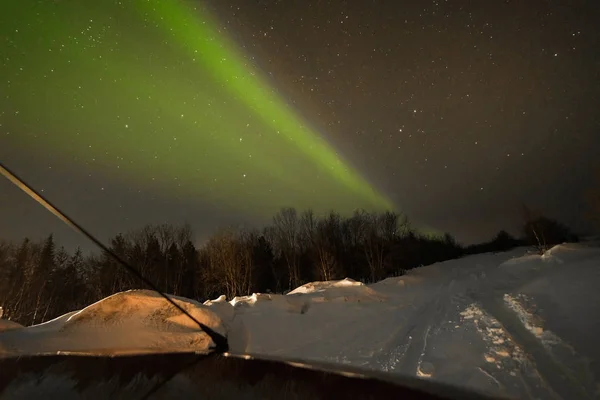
pixel 511 324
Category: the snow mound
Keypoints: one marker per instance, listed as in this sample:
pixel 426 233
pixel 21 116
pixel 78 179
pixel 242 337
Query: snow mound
pixel 526 259
pixel 131 321
pixel 323 285
pixel 6 325
pixel 345 290
pixel 559 254
pixel 408 280
pixel 143 307
pixel 272 302
pixel 246 300
pixel 260 298
pixel 220 299
pixel 573 251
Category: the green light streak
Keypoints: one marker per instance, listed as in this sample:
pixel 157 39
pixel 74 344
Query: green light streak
pixel 152 91
pixel 199 38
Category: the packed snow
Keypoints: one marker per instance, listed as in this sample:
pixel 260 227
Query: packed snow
pixel 510 324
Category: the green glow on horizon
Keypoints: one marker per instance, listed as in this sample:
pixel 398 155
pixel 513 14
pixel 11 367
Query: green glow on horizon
pixel 152 91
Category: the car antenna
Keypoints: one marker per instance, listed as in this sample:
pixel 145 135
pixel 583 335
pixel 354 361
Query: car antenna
pixel 220 341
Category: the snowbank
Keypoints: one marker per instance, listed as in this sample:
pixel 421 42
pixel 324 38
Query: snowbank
pixel 323 285
pixel 6 325
pixel 132 321
pixel 511 324
pixel 345 290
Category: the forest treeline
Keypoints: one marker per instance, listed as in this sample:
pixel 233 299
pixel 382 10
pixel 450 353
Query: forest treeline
pixel 40 281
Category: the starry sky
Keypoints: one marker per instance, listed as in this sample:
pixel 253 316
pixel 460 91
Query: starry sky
pixel 219 112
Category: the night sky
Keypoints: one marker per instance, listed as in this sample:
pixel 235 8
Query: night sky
pixel 220 112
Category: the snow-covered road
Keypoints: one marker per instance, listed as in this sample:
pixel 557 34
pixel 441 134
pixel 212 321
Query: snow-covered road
pixel 482 321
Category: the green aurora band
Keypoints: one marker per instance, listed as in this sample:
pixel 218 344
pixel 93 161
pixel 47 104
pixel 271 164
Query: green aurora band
pixel 152 91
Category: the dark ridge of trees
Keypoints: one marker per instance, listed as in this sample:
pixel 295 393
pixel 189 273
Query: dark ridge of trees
pixel 503 241
pixel 40 281
pixel 543 232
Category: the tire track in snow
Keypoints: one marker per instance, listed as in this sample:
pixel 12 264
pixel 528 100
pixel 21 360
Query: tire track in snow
pixel 417 333
pixel 553 374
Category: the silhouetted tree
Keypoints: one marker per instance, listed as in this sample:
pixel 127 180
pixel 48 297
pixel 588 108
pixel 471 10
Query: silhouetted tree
pixel 286 242
pixel 543 232
pixel 263 278
pixel 503 241
pixel 191 284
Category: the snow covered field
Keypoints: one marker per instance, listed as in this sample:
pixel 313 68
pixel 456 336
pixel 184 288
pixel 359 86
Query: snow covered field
pixel 511 324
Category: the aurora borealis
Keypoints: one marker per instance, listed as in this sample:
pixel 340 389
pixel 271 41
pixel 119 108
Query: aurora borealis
pixel 223 111
pixel 168 96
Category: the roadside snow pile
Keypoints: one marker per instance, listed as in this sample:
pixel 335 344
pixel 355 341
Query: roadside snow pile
pixel 513 324
pixel 323 285
pixel 132 321
pixel 6 325
pixel 346 290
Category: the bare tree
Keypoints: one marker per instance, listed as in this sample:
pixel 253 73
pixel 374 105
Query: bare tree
pixel 183 235
pixel 307 230
pixel 247 242
pixel 544 232
pixel 355 228
pixel 374 245
pixel 270 233
pixel 7 275
pixel 532 227
pixel 286 239
pixel 328 244
pixel 228 263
